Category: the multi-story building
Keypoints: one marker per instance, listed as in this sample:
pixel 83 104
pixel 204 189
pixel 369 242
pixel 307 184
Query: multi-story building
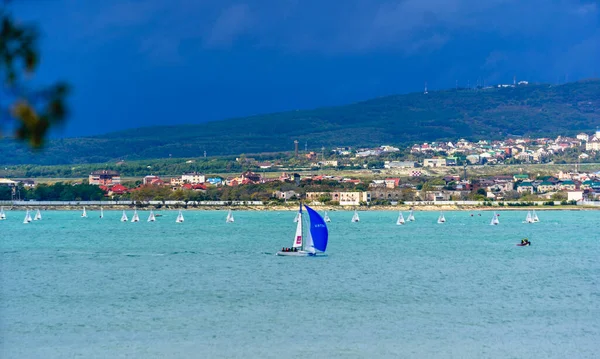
pixel 193 178
pixel 106 178
pixel 344 198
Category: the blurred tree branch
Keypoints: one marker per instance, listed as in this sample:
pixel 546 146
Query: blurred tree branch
pixel 33 111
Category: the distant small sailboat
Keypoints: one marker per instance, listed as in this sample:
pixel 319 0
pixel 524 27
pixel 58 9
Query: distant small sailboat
pixel 124 217
pixel 411 216
pixel 326 218
pixel 2 214
pixel 101 212
pixel 179 217
pixel 400 220
pixel 535 217
pixel 441 218
pixel 355 217
pixel 151 217
pixel 297 218
pixel 84 214
pixel 315 240
pixel 27 218
pixel 495 221
pixel 528 219
pixel 229 218
pixel 136 217
pixel 38 216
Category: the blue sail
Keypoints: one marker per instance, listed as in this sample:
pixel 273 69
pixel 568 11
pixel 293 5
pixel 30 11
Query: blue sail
pixel 318 229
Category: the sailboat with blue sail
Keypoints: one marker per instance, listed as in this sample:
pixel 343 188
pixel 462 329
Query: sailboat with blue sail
pixel 311 235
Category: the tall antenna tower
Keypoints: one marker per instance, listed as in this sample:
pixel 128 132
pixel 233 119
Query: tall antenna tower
pixel 323 153
pixel 205 154
pixel 426 88
pixel 296 148
pixel 306 146
pixel 514 80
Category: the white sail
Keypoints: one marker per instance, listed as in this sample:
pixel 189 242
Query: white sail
pixel 411 216
pixel 495 220
pixel 528 219
pixel 136 217
pixel 27 216
pixel 84 214
pixel 298 235
pixel 309 245
pixel 38 216
pixel 326 218
pixel 124 217
pixel 179 217
pixel 297 218
pixel 355 217
pixel 101 212
pixel 151 217
pixel 400 220
pixel 534 217
pixel 229 218
pixel 2 214
pixel 441 218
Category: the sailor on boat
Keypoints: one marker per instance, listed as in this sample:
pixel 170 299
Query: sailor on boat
pixel 525 242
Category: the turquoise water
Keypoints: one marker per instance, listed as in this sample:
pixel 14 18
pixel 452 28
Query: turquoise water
pixel 99 288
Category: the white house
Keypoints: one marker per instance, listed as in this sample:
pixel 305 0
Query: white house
pixel 193 178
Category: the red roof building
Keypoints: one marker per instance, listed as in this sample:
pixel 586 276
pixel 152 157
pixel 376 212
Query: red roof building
pixel 119 189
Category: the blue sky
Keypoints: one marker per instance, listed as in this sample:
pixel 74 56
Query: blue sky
pixel 157 62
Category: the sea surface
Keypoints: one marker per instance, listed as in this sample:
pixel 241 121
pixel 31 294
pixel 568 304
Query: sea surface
pixel 75 287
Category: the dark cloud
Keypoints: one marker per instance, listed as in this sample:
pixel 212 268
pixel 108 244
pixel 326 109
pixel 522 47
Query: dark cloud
pixel 272 55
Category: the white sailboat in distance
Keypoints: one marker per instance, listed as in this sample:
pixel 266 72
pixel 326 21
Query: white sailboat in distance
pixel 2 214
pixel 400 220
pixel 124 217
pixel 84 214
pixel 326 218
pixel 355 217
pixel 229 218
pixel 495 221
pixel 136 217
pixel 311 236
pixel 38 216
pixel 179 217
pixel 528 219
pixel 101 212
pixel 297 218
pixel 27 218
pixel 411 216
pixel 151 217
pixel 441 218
pixel 535 217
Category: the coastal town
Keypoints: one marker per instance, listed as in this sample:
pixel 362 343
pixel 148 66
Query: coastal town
pixel 437 172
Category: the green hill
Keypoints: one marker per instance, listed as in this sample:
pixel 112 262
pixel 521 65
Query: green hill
pixel 399 119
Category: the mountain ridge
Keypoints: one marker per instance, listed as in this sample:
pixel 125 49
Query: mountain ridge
pixel 490 113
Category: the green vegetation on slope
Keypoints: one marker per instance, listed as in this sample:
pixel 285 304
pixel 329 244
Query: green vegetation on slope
pixel 400 119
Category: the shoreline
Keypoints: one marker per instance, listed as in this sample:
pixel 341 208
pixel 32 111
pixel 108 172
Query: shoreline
pixel 273 208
